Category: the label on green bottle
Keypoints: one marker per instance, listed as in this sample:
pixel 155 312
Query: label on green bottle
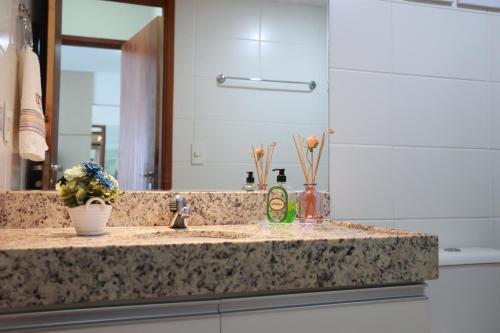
pixel 277 204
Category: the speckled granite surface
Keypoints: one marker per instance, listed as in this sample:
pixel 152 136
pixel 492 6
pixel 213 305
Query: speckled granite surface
pixel 43 209
pixel 53 267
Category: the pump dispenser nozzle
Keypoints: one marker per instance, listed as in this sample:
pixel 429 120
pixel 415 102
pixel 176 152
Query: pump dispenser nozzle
pixel 250 178
pixel 281 178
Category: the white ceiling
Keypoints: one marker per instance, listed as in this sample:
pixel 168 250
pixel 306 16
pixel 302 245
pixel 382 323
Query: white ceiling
pixel 88 59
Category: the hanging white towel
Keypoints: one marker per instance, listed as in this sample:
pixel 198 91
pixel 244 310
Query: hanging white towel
pixel 32 144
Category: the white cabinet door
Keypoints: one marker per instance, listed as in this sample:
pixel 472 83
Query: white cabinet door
pixel 195 324
pixel 381 317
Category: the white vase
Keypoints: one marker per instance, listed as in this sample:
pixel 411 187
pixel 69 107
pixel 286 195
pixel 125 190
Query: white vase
pixel 90 220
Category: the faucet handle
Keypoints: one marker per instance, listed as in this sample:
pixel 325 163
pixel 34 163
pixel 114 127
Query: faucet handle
pixel 177 203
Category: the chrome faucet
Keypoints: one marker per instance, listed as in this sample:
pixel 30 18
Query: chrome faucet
pixel 182 212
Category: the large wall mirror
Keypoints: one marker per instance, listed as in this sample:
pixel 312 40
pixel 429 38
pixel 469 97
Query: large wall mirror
pixel 241 73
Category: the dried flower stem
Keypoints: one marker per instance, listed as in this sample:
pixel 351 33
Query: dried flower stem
pixel 323 140
pixel 263 169
pixel 269 158
pixel 256 164
pixel 262 179
pixel 301 157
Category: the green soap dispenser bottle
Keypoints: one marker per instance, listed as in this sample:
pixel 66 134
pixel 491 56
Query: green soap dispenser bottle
pixel 280 201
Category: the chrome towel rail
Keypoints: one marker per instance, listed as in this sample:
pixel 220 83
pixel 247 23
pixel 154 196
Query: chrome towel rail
pixel 221 79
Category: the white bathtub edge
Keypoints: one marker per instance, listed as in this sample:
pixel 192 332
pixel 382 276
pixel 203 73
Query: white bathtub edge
pixel 469 256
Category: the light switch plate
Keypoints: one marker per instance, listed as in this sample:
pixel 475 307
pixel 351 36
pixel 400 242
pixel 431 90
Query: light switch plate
pixel 198 153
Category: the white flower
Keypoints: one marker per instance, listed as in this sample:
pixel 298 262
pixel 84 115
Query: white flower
pixel 74 172
pixel 114 182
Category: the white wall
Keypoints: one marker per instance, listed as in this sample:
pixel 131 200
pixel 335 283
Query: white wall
pixel 88 98
pixel 75 114
pixel 98 70
pixel 414 99
pixel 106 111
pixel 269 39
pixel 10 43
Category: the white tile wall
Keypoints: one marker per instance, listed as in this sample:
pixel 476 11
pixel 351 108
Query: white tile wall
pixel 216 103
pixel 184 134
pixel 440 112
pixel 360 107
pixel 184 47
pixel 495 158
pixel 230 142
pixel 213 102
pixel 295 62
pixel 441 183
pixel 495 115
pixel 227 176
pixel 496 227
pixel 437 41
pixel 223 18
pixel 494 20
pixel 361 182
pixel 417 118
pixel 269 39
pixel 300 24
pixel 360 35
pixel 454 232
pixel 216 56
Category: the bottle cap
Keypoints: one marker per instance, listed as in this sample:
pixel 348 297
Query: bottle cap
pixel 250 178
pixel 281 178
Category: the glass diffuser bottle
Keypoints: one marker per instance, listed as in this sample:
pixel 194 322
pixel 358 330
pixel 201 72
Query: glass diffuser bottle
pixel 310 201
pixel 310 205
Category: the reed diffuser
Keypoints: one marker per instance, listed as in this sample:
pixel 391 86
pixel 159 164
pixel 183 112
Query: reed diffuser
pixel 309 202
pixel 263 167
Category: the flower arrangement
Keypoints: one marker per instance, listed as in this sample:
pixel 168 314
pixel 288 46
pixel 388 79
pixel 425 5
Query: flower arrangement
pixel 258 155
pixel 305 150
pixel 310 207
pixel 84 181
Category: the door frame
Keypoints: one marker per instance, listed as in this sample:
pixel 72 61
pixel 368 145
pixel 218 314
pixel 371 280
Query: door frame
pixel 163 148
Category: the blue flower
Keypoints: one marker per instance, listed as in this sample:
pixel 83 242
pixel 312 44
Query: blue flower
pixel 92 169
pixel 105 181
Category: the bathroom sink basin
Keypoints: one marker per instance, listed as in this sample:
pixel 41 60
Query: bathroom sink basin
pixel 189 233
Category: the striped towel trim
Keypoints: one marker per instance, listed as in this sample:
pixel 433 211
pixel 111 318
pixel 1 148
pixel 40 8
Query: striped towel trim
pixel 32 121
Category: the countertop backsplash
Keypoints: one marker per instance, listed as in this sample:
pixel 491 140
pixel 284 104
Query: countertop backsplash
pixel 43 209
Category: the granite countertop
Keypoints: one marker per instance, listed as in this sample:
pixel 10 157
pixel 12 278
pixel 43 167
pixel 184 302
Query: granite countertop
pixel 52 267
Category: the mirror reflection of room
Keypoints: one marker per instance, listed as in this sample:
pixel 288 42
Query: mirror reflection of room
pixel 95 102
pixel 216 124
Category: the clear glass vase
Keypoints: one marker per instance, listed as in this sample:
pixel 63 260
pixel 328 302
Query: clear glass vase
pixel 310 206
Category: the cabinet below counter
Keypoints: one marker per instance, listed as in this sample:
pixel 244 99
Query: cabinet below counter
pixel 376 310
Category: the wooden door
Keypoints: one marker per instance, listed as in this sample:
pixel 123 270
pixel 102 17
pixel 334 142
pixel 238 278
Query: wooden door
pixel 140 108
